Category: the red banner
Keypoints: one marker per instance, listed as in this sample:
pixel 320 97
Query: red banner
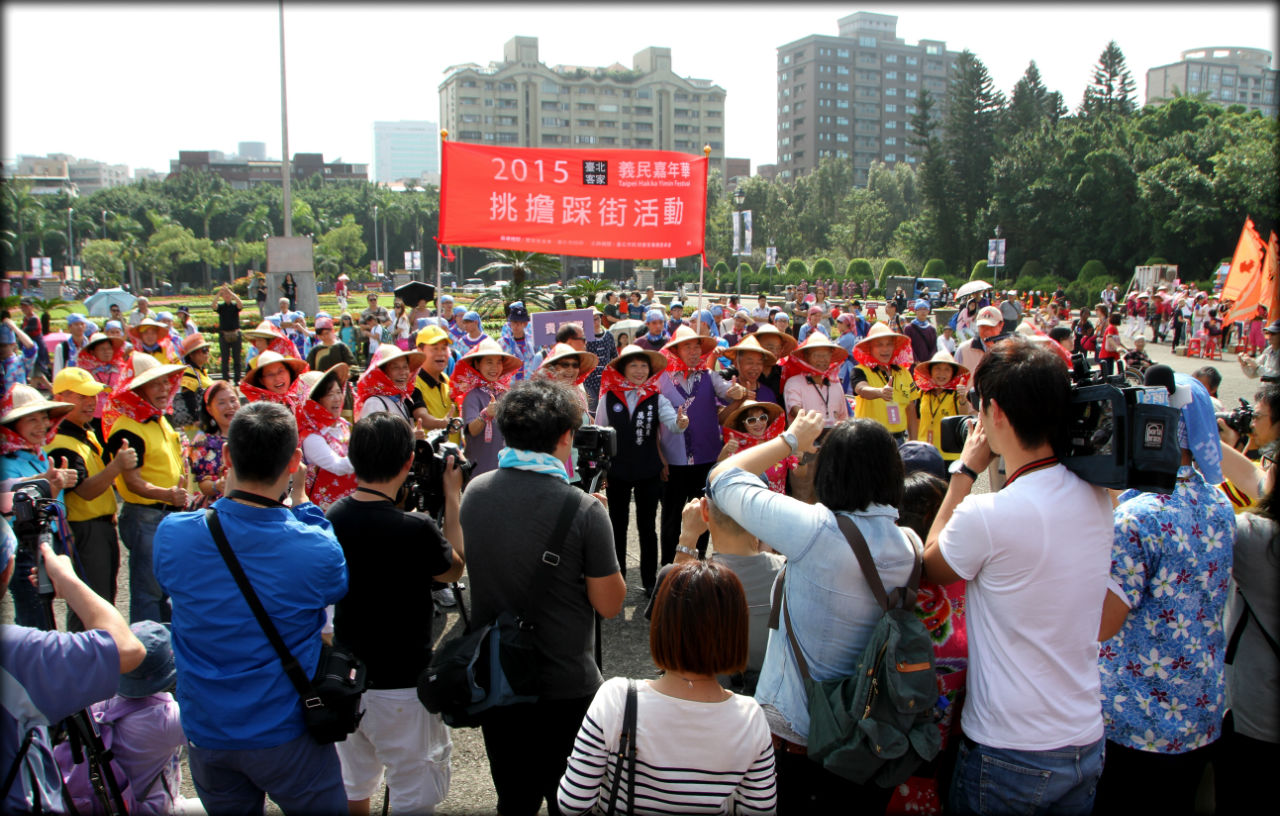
pixel 585 202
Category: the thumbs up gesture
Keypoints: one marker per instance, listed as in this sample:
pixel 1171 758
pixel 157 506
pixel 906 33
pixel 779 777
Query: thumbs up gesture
pixel 126 458
pixel 682 419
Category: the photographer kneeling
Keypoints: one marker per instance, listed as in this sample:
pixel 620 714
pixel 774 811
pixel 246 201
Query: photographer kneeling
pixel 51 676
pixel 385 618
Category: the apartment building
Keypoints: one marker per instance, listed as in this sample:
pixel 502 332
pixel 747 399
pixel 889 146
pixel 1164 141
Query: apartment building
pixel 1229 75
pixel 852 96
pixel 521 101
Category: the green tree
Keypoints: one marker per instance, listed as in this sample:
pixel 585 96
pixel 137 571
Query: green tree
pixel 975 106
pixel 1111 92
pixel 104 260
pixel 344 245
pixel 522 267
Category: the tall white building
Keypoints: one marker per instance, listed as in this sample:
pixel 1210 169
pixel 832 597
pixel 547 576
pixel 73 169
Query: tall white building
pixel 405 150
pixel 1229 75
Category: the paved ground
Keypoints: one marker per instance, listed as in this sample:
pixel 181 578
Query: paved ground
pixel 626 650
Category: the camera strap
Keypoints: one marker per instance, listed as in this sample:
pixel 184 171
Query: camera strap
pixel 378 493
pixel 1039 464
pixel 291 668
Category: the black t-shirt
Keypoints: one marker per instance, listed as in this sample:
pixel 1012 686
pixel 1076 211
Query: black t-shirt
pixel 228 316
pixel 386 615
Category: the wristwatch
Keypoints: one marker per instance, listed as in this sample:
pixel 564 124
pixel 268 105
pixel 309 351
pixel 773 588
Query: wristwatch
pixel 960 467
pixel 686 550
pixel 790 439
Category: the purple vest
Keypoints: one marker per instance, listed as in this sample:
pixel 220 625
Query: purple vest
pixel 701 441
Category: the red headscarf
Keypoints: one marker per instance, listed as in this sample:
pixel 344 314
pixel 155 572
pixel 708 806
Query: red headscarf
pixel 777 474
pixel 795 365
pixel 279 343
pixel 675 365
pixel 124 401
pixel 924 380
pixel 374 382
pixel 312 417
pixel 12 442
pixel 466 379
pixel 613 382
pixel 289 399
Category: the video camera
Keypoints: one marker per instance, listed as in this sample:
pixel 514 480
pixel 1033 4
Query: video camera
pixel 596 446
pixel 424 489
pixel 1117 436
pixel 34 511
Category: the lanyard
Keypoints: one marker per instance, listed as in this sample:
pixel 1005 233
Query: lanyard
pixel 936 407
pixel 254 498
pixel 363 489
pixel 1039 464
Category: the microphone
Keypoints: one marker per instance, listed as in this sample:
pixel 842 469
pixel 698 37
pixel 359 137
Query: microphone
pixel 1161 375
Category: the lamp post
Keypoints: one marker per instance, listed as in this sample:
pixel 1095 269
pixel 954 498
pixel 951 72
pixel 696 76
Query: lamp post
pixel 104 225
pixel 738 198
pixel 71 247
pixel 377 255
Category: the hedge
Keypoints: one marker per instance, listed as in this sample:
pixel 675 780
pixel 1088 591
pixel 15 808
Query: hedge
pixel 934 268
pixel 795 266
pixel 859 269
pixel 979 271
pixel 823 268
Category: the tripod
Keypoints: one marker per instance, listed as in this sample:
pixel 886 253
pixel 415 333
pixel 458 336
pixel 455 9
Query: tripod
pixel 592 467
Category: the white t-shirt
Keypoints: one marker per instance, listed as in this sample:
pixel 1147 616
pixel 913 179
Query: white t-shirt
pixel 691 757
pixel 1037 559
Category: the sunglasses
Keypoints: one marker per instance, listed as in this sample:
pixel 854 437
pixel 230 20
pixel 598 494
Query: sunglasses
pixel 567 364
pixel 756 418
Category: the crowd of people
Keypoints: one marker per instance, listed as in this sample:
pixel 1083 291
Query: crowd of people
pixel 1090 650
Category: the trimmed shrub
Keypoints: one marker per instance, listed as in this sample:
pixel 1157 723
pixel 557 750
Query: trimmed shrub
pixel 1092 269
pixel 860 269
pixel 891 267
pixel 823 268
pixel 1031 269
pixel 935 268
pixel 795 266
pixel 979 271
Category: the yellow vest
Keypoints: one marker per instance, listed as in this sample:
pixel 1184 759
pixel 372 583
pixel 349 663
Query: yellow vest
pixel 193 379
pixel 878 409
pixel 162 462
pixel 437 399
pixel 934 405
pixel 90 450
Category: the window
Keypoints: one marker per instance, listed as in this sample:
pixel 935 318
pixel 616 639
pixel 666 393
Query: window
pixel 1228 79
pixel 890 108
pixel 785 125
pixel 866 42
pixel 584 139
pixel 506 86
pixel 912 77
pixel 586 106
pixel 681 97
pixel 933 50
pixel 842 103
pixel 891 124
pixel 910 110
pixel 842 86
pixel 608 140
pixel 644 127
pixel 468 83
pixel 799 107
pixel 585 123
pixel 644 142
pixel 551 121
pixel 552 138
pixel 842 52
pixel 824 69
pixel 470 100
pixel 508 103
pixel 586 90
pixel 786 60
pixel 608 91
pixel 842 137
pixel 508 138
pixel 607 108
pixel 786 109
pixel 1227 93
pixel 891 140
pixel 842 69
pixel 890 91
pixel 890 157
pixel 549 87
pixel 842 120
pixel 488 103
pixel 1195 74
pixel 474 135
pixel 505 120
pixel 470 118
pixel 890 74
pixel 644 93
pixel 606 123
pixel 891 59
pixel 911 93
pixel 643 110
pixel 550 106
pixel 824 52
pixel 784 76
pixel 784 141
pixel 913 61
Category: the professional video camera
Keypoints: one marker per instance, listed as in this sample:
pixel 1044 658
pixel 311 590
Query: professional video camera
pixel 34 513
pixel 1240 420
pixel 424 489
pixel 1117 436
pixel 596 445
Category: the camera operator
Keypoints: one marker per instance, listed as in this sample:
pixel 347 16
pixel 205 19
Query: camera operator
pixel 1267 364
pixel 51 676
pixel 1246 481
pixel 385 618
pixel 1036 556
pixel 508 516
pixel 1164 609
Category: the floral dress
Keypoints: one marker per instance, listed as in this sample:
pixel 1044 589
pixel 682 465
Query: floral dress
pixel 205 455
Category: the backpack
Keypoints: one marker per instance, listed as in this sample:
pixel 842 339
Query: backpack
pixel 877 725
pixel 77 784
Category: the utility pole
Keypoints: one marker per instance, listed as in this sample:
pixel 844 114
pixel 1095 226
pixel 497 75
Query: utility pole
pixel 284 134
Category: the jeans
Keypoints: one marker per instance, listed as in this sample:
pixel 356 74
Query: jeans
pixel 999 781
pixel 147 601
pixel 301 776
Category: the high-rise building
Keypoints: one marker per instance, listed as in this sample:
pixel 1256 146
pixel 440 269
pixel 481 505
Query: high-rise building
pixel 852 96
pixel 1230 76
pixel 404 150
pixel 255 151
pixel 521 101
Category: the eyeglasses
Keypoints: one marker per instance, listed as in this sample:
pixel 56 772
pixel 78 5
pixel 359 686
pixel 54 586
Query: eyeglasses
pixel 1267 460
pixel 752 420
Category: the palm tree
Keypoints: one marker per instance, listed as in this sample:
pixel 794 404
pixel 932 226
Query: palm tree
pixel 255 225
pixel 523 267
pixel 206 207
pixel 45 306
pixel 585 292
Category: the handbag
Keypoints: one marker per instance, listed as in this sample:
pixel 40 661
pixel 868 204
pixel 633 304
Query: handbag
pixel 495 664
pixel 626 754
pixel 330 700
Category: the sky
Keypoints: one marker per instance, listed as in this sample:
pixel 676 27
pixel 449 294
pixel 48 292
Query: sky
pixel 134 84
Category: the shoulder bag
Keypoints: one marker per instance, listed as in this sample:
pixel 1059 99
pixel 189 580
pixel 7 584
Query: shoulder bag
pixel 330 700
pixel 495 664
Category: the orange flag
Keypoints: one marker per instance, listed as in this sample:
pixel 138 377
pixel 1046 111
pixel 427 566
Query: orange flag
pixel 1271 279
pixel 1243 285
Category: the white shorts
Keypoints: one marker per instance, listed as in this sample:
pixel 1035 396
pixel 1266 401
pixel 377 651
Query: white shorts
pixel 413 745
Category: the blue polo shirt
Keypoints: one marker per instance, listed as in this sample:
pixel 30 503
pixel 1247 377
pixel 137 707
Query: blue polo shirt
pixel 232 690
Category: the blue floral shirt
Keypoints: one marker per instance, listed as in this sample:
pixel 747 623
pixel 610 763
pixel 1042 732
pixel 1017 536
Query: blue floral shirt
pixel 1162 675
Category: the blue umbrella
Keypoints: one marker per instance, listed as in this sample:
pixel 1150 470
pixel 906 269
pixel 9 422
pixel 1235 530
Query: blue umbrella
pixel 99 303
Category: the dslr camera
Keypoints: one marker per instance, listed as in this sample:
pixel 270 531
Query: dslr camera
pixel 1118 436
pixel 596 446
pixel 424 489
pixel 1240 420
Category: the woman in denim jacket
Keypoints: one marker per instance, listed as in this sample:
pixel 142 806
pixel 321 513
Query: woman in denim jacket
pixel 859 474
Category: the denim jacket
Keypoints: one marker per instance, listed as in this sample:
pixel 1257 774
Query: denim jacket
pixel 828 600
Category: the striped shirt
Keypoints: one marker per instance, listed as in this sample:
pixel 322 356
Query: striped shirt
pixel 691 757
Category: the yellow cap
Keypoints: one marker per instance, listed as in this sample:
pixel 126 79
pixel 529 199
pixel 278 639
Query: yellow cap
pixel 430 335
pixel 78 381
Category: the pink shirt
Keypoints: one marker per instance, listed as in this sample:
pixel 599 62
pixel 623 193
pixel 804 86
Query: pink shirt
pixel 829 399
